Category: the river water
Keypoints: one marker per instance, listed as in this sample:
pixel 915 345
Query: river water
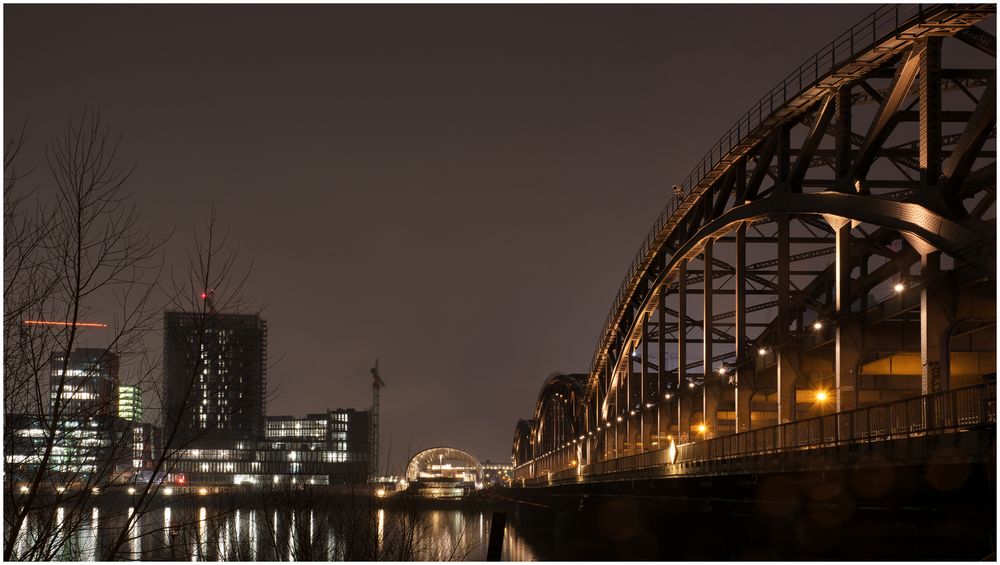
pixel 334 529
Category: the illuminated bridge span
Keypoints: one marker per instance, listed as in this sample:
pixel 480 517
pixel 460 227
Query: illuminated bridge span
pixel 824 278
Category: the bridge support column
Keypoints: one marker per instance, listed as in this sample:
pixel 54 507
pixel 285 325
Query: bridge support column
pixel 744 368
pixel 933 321
pixel 930 116
pixel 683 391
pixel 848 339
pixel 643 386
pixel 662 406
pixel 788 358
pixel 630 375
pixel 710 391
pixel 788 374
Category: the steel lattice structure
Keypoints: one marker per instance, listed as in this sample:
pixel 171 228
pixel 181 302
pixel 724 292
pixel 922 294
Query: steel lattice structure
pixel 863 187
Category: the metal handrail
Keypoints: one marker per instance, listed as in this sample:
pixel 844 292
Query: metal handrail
pixel 930 414
pixel 883 23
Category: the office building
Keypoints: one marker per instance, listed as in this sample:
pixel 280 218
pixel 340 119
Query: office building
pixel 319 449
pixel 84 383
pixel 130 403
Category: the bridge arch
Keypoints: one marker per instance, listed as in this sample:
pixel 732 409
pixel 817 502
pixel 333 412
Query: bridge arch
pixel 521 447
pixel 444 461
pixel 861 242
pixel 558 412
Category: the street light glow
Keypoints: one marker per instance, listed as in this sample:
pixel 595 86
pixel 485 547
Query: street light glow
pixel 817 325
pixel 899 287
pixel 821 396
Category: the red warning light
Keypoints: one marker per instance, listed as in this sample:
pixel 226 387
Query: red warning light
pixel 180 479
pixel 204 295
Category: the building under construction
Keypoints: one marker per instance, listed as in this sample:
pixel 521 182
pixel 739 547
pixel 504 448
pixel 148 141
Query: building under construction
pixel 215 381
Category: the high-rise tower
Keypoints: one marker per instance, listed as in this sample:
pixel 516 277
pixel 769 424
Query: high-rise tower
pixel 215 377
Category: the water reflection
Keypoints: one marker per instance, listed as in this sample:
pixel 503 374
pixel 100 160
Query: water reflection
pixel 188 531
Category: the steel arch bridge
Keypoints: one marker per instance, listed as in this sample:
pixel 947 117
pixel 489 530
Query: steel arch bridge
pixel 825 275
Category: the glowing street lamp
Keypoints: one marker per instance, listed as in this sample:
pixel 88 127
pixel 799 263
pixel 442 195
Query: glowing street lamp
pixel 821 396
pixel 817 325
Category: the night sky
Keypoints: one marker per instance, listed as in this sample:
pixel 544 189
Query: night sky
pixel 454 190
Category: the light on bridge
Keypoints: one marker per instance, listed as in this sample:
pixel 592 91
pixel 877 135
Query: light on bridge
pixel 762 351
pixel 817 325
pixel 899 287
pixel 702 428
pixel 668 396
pixel 619 419
pixel 821 396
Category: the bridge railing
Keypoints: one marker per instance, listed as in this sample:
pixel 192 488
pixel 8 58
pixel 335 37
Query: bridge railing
pixel 882 24
pixel 936 413
pixel 939 412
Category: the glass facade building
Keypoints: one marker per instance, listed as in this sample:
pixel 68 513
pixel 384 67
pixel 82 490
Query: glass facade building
pixel 130 403
pixel 318 449
pixel 84 383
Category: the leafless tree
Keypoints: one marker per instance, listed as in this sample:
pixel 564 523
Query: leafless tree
pixel 79 246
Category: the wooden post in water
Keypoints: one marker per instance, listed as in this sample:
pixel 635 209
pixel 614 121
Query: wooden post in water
pixel 495 547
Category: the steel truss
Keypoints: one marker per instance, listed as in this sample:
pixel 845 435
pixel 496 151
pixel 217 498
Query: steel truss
pixel 876 249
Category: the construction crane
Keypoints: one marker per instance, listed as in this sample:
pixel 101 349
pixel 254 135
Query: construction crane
pixel 377 385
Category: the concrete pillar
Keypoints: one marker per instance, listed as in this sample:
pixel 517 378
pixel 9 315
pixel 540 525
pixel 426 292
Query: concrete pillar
pixel 744 367
pixel 710 392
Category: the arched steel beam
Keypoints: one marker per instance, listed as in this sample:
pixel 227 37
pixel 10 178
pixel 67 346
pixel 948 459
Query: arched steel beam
pixel 422 458
pixel 905 217
pixel 894 30
pixel 521 442
pixel 572 388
